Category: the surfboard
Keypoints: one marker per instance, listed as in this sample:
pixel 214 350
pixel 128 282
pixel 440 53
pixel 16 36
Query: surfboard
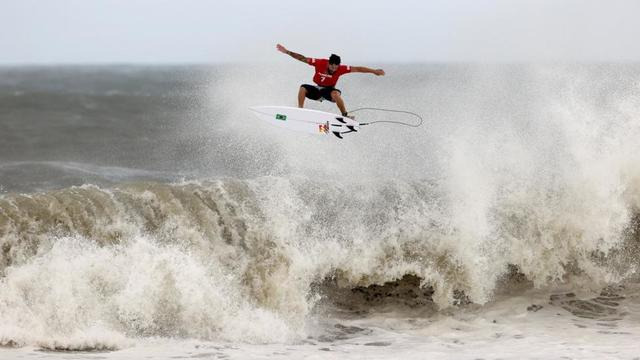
pixel 306 120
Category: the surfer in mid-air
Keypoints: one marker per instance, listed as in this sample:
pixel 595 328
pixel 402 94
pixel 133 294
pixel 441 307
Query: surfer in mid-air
pixel 327 73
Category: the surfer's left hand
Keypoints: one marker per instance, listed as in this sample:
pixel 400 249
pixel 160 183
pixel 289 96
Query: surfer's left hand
pixel 379 72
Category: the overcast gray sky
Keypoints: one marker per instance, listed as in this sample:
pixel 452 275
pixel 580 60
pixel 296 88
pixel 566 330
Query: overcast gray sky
pixel 162 31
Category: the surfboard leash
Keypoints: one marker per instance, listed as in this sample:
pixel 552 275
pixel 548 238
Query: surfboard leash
pixel 390 121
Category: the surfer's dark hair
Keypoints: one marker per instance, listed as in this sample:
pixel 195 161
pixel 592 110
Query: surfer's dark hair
pixel 334 59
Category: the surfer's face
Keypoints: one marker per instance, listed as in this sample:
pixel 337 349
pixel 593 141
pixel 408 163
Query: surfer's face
pixel 333 67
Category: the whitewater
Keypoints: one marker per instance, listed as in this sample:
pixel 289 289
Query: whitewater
pixel 145 213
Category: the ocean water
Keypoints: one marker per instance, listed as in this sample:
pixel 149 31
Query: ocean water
pixel 145 213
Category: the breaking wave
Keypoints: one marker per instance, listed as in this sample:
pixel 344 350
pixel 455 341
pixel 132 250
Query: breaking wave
pixel 248 260
pixel 520 175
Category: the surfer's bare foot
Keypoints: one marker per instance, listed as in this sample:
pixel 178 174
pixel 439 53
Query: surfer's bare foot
pixel 352 117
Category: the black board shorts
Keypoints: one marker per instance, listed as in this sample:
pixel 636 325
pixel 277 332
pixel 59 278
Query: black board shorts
pixel 318 92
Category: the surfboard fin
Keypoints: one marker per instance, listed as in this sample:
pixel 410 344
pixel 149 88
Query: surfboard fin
pixel 337 134
pixel 341 120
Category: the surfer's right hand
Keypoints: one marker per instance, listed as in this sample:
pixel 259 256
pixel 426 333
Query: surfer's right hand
pixel 282 49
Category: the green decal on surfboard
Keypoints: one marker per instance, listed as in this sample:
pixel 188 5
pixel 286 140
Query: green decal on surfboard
pixel 281 117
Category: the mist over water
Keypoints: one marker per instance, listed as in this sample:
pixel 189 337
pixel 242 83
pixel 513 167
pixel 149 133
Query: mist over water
pixel 147 202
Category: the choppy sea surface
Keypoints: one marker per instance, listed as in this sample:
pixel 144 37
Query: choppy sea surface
pixel 145 213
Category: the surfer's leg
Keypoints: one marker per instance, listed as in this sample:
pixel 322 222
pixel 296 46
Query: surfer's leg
pixel 309 91
pixel 337 98
pixel 302 94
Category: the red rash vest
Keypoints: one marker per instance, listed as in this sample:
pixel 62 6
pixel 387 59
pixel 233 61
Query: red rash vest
pixel 322 76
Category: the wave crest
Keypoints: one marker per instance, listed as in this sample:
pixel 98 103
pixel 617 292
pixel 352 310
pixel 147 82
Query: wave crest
pixel 249 259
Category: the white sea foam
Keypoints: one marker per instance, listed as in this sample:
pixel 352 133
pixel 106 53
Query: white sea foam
pixel 390 244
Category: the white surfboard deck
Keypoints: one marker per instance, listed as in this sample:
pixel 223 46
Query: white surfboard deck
pixel 306 120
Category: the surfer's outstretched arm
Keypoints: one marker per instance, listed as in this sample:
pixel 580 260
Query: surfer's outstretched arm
pixel 296 56
pixel 364 69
